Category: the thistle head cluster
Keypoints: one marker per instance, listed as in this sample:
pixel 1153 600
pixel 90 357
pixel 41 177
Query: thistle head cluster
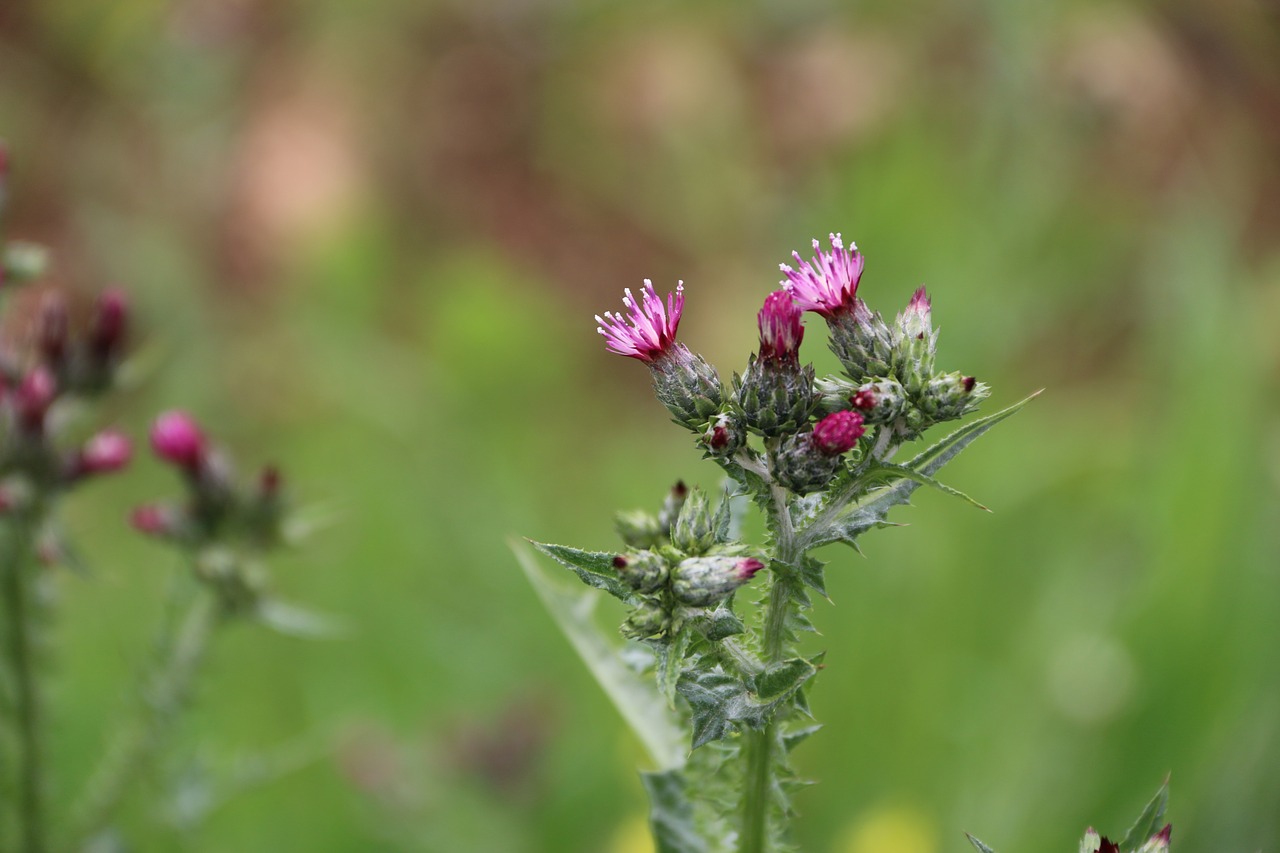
pixel 889 392
pixel 678 563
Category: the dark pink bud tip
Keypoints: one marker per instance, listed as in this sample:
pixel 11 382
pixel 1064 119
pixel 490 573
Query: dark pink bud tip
pixel 748 567
pixel 34 396
pixel 865 400
pixel 780 329
pixel 269 481
pixel 619 562
pixel 109 324
pixel 838 433
pixel 719 438
pixel 176 438
pixel 109 450
pixel 1108 846
pixel 152 520
pixel 680 490
pixel 4 162
pixel 1164 834
pixel 968 382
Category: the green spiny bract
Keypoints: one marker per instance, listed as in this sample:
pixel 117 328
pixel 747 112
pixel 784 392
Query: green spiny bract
pixel 689 387
pixel 774 397
pixel 949 396
pixel 645 571
pixel 706 581
pixel 694 532
pixel 649 619
pixel 800 467
pixel 863 343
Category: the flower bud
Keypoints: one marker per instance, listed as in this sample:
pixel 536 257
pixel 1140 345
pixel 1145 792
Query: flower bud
pixel 638 529
pixel 671 507
pixel 643 572
pixel 52 322
pixel 724 435
pixel 774 397
pixel 647 620
pixel 834 393
pixel 1158 843
pixel 177 439
pixel 948 396
pixel 694 531
pixel 880 401
pixel 33 397
pixel 706 581
pixel 863 342
pixel 108 327
pixel 915 343
pixel 22 262
pixel 688 386
pixel 780 328
pixel 800 465
pixel 109 450
pixel 837 433
pixel 157 520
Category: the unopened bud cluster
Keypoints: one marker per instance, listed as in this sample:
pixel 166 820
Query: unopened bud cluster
pixel 218 519
pixel 677 565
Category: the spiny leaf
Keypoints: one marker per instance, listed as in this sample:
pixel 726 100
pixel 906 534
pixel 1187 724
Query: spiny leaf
pixel 671 814
pixel 976 843
pixel 782 678
pixel 718 701
pixel 636 699
pixel 840 520
pixel 669 654
pixel 1149 822
pixel 812 573
pixel 792 739
pixel 925 480
pixel 594 568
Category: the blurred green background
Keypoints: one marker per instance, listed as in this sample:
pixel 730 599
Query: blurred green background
pixel 366 240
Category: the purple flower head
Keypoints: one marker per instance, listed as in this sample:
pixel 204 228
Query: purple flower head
pixel 177 438
pixel 652 332
pixel 746 568
pixel 837 433
pixel 780 328
pixel 109 450
pixel 109 324
pixel 827 284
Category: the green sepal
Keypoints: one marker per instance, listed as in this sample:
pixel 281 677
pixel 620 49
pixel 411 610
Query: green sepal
pixel 594 568
pixel 978 844
pixel 790 740
pixel 671 820
pixel 1149 822
pixel 719 624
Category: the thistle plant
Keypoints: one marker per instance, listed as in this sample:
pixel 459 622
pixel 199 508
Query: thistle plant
pixel 53 373
pixel 824 460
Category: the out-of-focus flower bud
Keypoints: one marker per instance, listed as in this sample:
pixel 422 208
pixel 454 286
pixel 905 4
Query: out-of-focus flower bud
pixel 22 262
pixel 1158 843
pixel 4 183
pixel 177 439
pixel 837 433
pixel 706 581
pixel 881 401
pixel 33 397
pixel 643 572
pixel 863 343
pixel 108 327
pixel 725 435
pixel 639 529
pixel 694 531
pixel 647 620
pixel 157 520
pixel 52 323
pixel 109 450
pixel 671 507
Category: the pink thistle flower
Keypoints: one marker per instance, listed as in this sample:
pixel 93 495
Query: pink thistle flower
pixel 109 450
pixel 109 324
pixel 34 395
pixel 827 284
pixel 652 332
pixel 780 328
pixel 838 433
pixel 177 438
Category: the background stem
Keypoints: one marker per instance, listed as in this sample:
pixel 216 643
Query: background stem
pixel 21 615
pixel 164 694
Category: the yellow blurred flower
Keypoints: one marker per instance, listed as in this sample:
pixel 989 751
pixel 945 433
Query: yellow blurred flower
pixel 890 829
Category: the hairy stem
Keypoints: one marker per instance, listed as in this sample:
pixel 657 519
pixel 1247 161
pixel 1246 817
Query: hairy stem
pixel 164 695
pixel 20 613
pixel 758 746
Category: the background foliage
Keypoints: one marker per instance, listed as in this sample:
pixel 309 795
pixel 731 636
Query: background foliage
pixel 366 240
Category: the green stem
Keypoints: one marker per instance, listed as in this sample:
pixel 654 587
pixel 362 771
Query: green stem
pixel 164 695
pixel 21 607
pixel 758 746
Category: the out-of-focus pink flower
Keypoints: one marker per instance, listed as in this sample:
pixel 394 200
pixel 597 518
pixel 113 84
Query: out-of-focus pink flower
pixel 780 328
pixel 177 438
pixel 837 433
pixel 109 325
pixel 827 284
pixel 109 450
pixel 34 395
pixel 652 329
